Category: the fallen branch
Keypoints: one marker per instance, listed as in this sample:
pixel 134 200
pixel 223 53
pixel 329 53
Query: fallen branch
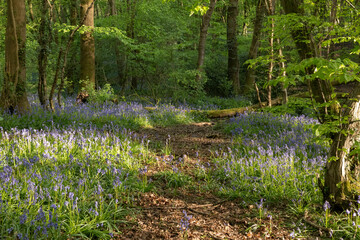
pixel 315 225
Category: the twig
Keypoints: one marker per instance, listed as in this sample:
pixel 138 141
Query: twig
pixel 195 211
pixel 258 94
pixel 316 225
pixel 214 237
pixel 351 5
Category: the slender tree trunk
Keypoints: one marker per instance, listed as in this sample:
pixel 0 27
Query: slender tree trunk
pixel 320 90
pixel 13 96
pixel 130 32
pixel 271 12
pixel 233 60
pixel 255 43
pixel 73 12
pixel 43 40
pixel 120 60
pixel 87 46
pixel 202 39
pixel 63 14
pixel 333 15
pixel 245 25
pixel 31 11
pixel 283 73
pixel 74 52
pixel 112 7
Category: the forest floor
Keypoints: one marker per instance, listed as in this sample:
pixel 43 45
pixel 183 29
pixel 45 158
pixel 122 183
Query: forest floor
pixel 159 212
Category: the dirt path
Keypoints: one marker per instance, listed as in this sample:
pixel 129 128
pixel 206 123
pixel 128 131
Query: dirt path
pixel 195 140
pixel 158 214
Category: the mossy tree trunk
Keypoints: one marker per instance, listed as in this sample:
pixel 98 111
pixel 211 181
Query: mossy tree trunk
pixel 13 96
pixel 342 173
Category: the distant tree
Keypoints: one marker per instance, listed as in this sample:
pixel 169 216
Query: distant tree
pixel 271 12
pixel 112 7
pixel 44 41
pixel 13 96
pixel 87 45
pixel 131 6
pixel 255 43
pixel 232 31
pixel 202 38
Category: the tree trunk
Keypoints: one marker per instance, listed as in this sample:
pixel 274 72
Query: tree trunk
pixel 283 73
pixel 73 12
pixel 202 39
pixel 130 32
pixel 245 24
pixel 255 43
pixel 333 15
pixel 271 12
pixel 233 60
pixel 342 174
pixel 87 46
pixel 13 95
pixel 120 59
pixel 320 90
pixel 112 7
pixel 43 40
pixel 31 11
pixel 70 72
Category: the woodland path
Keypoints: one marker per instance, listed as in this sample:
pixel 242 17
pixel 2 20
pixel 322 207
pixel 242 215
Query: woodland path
pixel 158 213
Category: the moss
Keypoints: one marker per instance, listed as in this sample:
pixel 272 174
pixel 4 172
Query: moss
pixel 228 112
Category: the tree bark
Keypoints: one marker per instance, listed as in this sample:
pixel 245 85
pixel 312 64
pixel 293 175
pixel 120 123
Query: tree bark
pixel 31 11
pixel 342 174
pixel 73 12
pixel 320 90
pixel 333 14
pixel 232 30
pixel 205 23
pixel 271 12
pixel 87 46
pixel 43 40
pixel 13 96
pixel 112 6
pixel 255 43
pixel 130 32
pixel 245 24
pixel 283 73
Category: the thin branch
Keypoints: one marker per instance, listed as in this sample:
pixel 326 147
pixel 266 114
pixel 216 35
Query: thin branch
pixel 351 5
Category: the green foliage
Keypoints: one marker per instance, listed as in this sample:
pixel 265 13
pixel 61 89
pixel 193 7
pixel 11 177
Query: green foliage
pixel 295 106
pixel 104 94
pixel 174 179
pixel 183 84
pixel 333 70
